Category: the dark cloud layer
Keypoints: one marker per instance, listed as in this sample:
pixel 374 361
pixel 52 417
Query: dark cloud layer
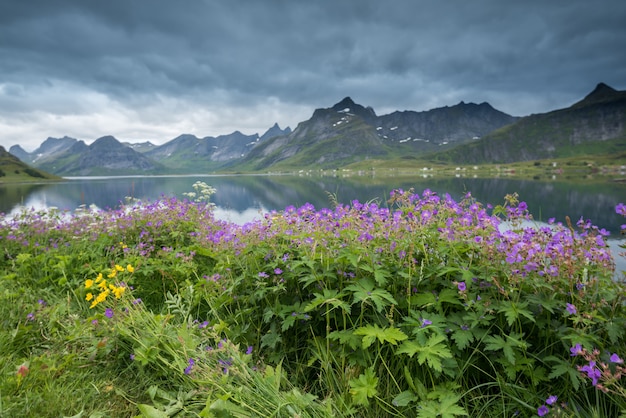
pixel 152 69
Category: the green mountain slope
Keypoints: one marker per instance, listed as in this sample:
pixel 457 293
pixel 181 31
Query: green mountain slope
pixel 594 125
pixel 13 169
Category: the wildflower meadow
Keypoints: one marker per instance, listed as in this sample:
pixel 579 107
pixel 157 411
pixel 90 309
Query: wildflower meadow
pixel 420 306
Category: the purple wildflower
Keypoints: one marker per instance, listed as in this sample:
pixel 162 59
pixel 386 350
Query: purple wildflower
pixel 249 350
pixel 571 308
pixel 132 356
pixel 615 359
pixel 190 366
pixel 278 271
pixel 552 399
pixel 576 350
pixel 263 275
pixel 426 322
pixel 108 313
pixel 542 410
pixel 461 286
pixel 592 372
pixel 30 316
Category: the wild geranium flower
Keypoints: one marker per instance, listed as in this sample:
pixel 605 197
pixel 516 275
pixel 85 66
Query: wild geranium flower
pixel 576 350
pixel 542 410
pixel 108 313
pixel 461 286
pixel 191 363
pixel 592 371
pixel 615 359
pixel 426 322
pixel 570 308
pixel 552 399
pixel 249 350
pixel 278 271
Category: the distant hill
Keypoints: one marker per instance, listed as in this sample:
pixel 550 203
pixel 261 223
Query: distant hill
pixel 108 156
pixel 14 170
pixel 594 125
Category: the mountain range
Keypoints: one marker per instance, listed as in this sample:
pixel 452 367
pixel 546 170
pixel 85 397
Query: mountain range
pixel 347 132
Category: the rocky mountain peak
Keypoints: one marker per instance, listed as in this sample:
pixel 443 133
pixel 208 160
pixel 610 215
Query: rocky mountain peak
pixel 601 93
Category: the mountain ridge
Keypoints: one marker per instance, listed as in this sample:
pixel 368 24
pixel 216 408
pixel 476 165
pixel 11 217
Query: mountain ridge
pixel 349 132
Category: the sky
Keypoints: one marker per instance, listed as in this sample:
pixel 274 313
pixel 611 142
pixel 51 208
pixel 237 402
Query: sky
pixel 154 69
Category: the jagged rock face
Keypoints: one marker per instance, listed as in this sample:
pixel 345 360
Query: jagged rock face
pixel 347 132
pixel 110 156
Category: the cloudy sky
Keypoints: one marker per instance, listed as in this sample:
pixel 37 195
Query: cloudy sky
pixel 154 69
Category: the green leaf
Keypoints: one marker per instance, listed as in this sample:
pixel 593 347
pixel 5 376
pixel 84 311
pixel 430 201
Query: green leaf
pixel 615 329
pixel 562 367
pixel 446 407
pixel 225 408
pixel 449 296
pixel 432 353
pixel 364 387
pixel 513 310
pixel 372 332
pixel 328 297
pixel 346 337
pixel 497 343
pixel 364 291
pixel 271 339
pixel 404 398
pixel 423 299
pixel 462 338
pixel 149 411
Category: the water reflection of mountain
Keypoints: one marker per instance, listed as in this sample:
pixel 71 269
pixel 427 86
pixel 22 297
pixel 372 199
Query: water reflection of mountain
pixel 245 193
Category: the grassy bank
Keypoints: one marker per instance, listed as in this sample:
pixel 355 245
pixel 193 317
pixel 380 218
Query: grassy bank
pixel 420 307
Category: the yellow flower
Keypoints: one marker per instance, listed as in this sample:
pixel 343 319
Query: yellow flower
pixel 103 284
pixel 103 296
pixel 112 286
pixel 89 296
pixel 112 274
pixel 99 278
pixel 88 283
pixel 119 268
pixel 119 291
pixel 130 268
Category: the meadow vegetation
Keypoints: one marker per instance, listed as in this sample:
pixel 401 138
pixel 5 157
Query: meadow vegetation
pixel 419 307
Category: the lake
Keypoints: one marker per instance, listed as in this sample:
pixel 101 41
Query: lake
pixel 241 198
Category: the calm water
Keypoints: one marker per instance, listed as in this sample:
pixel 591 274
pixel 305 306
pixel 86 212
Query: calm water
pixel 241 198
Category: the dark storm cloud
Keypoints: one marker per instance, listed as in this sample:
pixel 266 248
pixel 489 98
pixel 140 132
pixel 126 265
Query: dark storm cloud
pixel 127 65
